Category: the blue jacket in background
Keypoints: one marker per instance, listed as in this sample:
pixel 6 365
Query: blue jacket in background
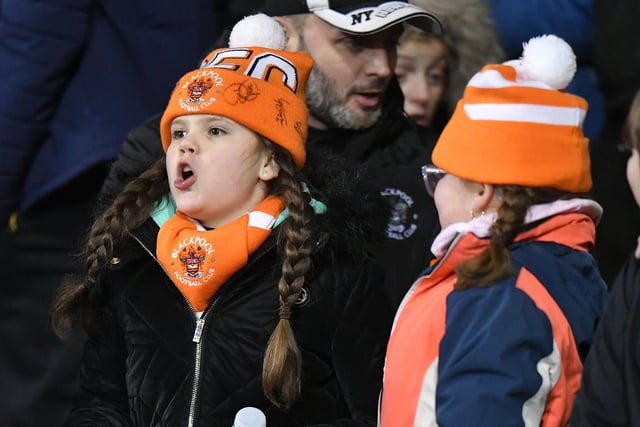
pixel 77 75
pixel 573 21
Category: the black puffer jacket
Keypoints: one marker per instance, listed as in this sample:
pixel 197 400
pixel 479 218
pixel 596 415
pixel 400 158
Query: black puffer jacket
pixel 145 368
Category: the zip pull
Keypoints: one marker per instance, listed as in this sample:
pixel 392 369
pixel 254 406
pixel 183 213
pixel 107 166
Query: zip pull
pixel 198 332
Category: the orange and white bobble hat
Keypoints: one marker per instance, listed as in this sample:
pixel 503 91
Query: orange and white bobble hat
pixel 515 123
pixel 253 82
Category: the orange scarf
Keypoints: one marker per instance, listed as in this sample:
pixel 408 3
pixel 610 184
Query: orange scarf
pixel 199 261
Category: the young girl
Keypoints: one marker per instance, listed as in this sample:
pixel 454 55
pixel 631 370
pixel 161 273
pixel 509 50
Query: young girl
pixel 495 332
pixel 253 292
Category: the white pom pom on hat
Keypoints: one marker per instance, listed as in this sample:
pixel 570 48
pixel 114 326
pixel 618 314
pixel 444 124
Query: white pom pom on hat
pixel 258 30
pixel 547 59
pixel 518 118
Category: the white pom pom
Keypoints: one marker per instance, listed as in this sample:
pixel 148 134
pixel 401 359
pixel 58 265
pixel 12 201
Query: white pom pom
pixel 258 30
pixel 548 59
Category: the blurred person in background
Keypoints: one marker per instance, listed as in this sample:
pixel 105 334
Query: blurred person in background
pixel 77 75
pixel 434 69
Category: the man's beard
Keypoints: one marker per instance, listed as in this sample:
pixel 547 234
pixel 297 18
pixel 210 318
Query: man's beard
pixel 329 106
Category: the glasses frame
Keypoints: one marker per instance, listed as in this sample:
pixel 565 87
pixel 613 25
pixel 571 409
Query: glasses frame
pixel 431 175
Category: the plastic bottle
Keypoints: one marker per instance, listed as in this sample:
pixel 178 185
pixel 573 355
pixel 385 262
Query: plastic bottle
pixel 250 417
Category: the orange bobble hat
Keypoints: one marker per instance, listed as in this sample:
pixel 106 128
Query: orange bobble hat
pixel 253 82
pixel 515 123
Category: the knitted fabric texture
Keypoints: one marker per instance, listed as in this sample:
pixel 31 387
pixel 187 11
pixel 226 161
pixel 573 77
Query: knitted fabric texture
pixel 200 261
pixel 512 126
pixel 260 88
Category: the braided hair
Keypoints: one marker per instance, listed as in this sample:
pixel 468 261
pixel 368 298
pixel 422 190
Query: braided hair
pixel 494 263
pixel 128 211
pixel 282 365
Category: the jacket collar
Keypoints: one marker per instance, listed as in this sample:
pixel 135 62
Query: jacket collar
pixel 480 226
pixel 568 222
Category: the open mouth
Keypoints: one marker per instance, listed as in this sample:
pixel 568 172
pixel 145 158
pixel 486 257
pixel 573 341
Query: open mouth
pixel 186 172
pixel 369 99
pixel 186 177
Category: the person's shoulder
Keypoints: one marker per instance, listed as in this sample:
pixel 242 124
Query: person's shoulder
pixel 628 279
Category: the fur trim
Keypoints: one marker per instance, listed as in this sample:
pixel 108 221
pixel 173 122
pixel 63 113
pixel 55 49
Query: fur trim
pixel 355 218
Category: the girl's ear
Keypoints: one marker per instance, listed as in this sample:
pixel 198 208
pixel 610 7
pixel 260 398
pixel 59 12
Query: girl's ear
pixel 270 168
pixel 484 199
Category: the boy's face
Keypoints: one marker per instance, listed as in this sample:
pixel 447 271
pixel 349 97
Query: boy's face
pixel 350 75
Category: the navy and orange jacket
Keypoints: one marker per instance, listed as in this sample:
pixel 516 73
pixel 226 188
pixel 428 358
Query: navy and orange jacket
pixel 509 354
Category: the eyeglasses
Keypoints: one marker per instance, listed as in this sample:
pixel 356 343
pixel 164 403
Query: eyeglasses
pixel 432 176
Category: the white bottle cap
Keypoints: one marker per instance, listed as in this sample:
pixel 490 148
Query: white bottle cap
pixel 250 417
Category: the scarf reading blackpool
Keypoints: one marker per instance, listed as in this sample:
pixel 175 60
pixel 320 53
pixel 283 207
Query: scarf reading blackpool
pixel 199 261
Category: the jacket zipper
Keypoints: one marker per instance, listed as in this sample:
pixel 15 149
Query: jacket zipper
pixel 196 374
pixel 197 334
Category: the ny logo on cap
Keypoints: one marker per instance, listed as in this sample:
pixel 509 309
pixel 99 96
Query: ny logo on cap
pixel 356 18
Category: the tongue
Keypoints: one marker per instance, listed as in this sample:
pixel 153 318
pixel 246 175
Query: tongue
pixel 183 184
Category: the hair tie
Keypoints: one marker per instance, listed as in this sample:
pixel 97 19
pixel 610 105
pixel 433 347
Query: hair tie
pixel 285 312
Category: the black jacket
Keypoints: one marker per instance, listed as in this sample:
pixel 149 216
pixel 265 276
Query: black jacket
pixel 144 368
pixel 390 155
pixel 387 157
pixel 610 391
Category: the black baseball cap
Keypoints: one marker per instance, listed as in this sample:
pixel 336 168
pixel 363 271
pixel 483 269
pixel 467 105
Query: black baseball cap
pixel 358 16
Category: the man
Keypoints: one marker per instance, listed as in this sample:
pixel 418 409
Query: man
pixel 356 118
pixel 356 113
